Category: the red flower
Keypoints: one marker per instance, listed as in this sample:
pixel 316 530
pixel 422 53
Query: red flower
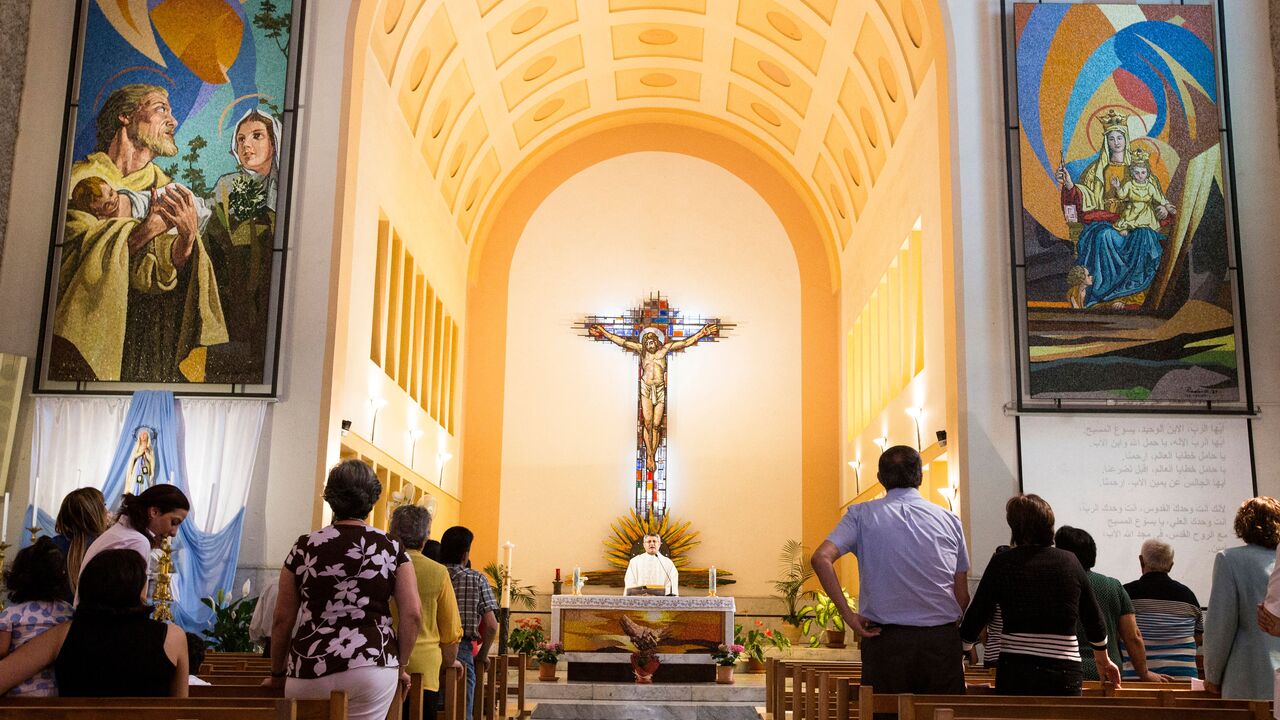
pixel 768 633
pixel 759 623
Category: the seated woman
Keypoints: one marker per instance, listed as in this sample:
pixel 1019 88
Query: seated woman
pixel 111 647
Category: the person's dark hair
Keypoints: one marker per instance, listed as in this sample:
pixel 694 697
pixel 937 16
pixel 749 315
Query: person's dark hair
pixel 195 652
pixel 1258 522
pixel 1030 520
pixel 410 524
pixel 38 572
pixel 112 582
pixel 351 490
pixel 432 550
pixel 1078 542
pixel 454 544
pixel 163 497
pixel 900 468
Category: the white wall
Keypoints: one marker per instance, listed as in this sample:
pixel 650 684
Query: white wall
pixel 982 249
pixel 601 242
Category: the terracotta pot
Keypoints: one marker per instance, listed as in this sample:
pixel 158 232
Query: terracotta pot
pixel 547 671
pixel 754 666
pixel 791 632
pixel 644 666
pixel 835 639
pixel 724 674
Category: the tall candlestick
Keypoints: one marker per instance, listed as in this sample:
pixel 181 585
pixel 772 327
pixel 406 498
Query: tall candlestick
pixel 506 580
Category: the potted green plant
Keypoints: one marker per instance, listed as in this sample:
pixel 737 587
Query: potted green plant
pixel 789 587
pixel 525 638
pixel 548 654
pixel 827 617
pixel 230 631
pixel 726 656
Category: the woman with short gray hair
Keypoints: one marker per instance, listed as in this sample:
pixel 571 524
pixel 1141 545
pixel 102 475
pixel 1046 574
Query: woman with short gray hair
pixel 338 583
pixel 436 647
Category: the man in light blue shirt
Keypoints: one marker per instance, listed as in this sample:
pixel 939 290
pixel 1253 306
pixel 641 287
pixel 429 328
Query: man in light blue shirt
pixel 912 567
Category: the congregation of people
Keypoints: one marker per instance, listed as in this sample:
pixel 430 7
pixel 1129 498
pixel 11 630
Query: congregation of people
pixel 358 609
pixel 1046 619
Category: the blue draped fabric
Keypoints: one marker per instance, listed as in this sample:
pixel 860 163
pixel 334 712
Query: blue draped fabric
pixel 1120 265
pixel 203 561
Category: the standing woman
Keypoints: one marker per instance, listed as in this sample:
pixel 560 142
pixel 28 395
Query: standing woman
pixel 145 520
pixel 1041 592
pixel 338 583
pixel 81 519
pixel 1240 660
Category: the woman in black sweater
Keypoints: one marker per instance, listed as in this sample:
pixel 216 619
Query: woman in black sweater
pixel 1041 592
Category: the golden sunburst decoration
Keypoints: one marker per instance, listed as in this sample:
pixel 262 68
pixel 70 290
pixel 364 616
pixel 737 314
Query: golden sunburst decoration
pixel 628 539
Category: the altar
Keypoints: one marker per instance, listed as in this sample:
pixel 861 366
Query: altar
pixel 595 631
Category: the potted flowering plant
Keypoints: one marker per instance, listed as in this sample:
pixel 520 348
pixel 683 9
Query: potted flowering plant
pixel 725 657
pixel 525 638
pixel 548 654
pixel 757 641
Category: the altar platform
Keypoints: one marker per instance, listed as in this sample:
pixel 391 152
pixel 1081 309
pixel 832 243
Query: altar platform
pixel 599 633
pixel 569 700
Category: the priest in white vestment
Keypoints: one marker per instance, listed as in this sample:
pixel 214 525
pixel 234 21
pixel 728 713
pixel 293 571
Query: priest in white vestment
pixel 652 568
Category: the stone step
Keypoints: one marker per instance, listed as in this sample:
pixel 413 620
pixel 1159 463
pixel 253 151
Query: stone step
pixel 578 710
pixel 746 692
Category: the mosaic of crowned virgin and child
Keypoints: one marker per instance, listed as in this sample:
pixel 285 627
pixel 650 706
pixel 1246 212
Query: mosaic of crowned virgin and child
pixel 1125 216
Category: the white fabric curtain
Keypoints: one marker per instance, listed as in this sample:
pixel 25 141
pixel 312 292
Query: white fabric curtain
pixel 75 438
pixel 72 446
pixel 220 444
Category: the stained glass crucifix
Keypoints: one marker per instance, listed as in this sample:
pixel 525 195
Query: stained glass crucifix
pixel 653 332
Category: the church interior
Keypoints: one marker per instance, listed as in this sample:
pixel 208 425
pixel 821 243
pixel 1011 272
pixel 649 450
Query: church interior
pixel 833 194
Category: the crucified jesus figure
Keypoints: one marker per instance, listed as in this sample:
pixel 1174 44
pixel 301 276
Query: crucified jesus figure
pixel 653 351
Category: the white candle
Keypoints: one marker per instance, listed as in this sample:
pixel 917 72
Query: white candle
pixel 77 477
pixel 4 534
pixel 711 579
pixel 35 504
pixel 506 581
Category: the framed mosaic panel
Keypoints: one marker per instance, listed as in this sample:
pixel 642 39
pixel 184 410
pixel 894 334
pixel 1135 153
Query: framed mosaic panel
pixel 167 251
pixel 1125 246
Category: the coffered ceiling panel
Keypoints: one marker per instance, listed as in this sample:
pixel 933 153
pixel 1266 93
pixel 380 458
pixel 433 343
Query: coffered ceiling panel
pixel 827 84
pixel 698 6
pixel 527 24
pixel 658 83
pixel 657 40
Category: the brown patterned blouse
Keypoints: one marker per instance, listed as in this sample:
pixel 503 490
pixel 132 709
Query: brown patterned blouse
pixel 346 577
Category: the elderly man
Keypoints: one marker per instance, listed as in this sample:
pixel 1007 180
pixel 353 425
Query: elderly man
pixel 437 645
pixel 1168 615
pixel 913 566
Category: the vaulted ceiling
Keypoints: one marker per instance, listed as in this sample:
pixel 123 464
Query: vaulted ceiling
pixel 827 84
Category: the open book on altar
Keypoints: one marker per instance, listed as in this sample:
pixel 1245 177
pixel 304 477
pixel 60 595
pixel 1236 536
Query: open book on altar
pixel 646 590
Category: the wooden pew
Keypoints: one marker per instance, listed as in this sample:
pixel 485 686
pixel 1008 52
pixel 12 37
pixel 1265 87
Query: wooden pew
pixel 276 710
pixel 335 708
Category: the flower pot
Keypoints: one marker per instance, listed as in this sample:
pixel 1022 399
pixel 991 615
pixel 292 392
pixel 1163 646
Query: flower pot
pixel 531 662
pixel 547 671
pixel 835 639
pixel 644 666
pixel 791 633
pixel 755 666
pixel 724 674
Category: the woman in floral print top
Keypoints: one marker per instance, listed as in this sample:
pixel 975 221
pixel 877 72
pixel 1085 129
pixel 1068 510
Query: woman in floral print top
pixel 338 583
